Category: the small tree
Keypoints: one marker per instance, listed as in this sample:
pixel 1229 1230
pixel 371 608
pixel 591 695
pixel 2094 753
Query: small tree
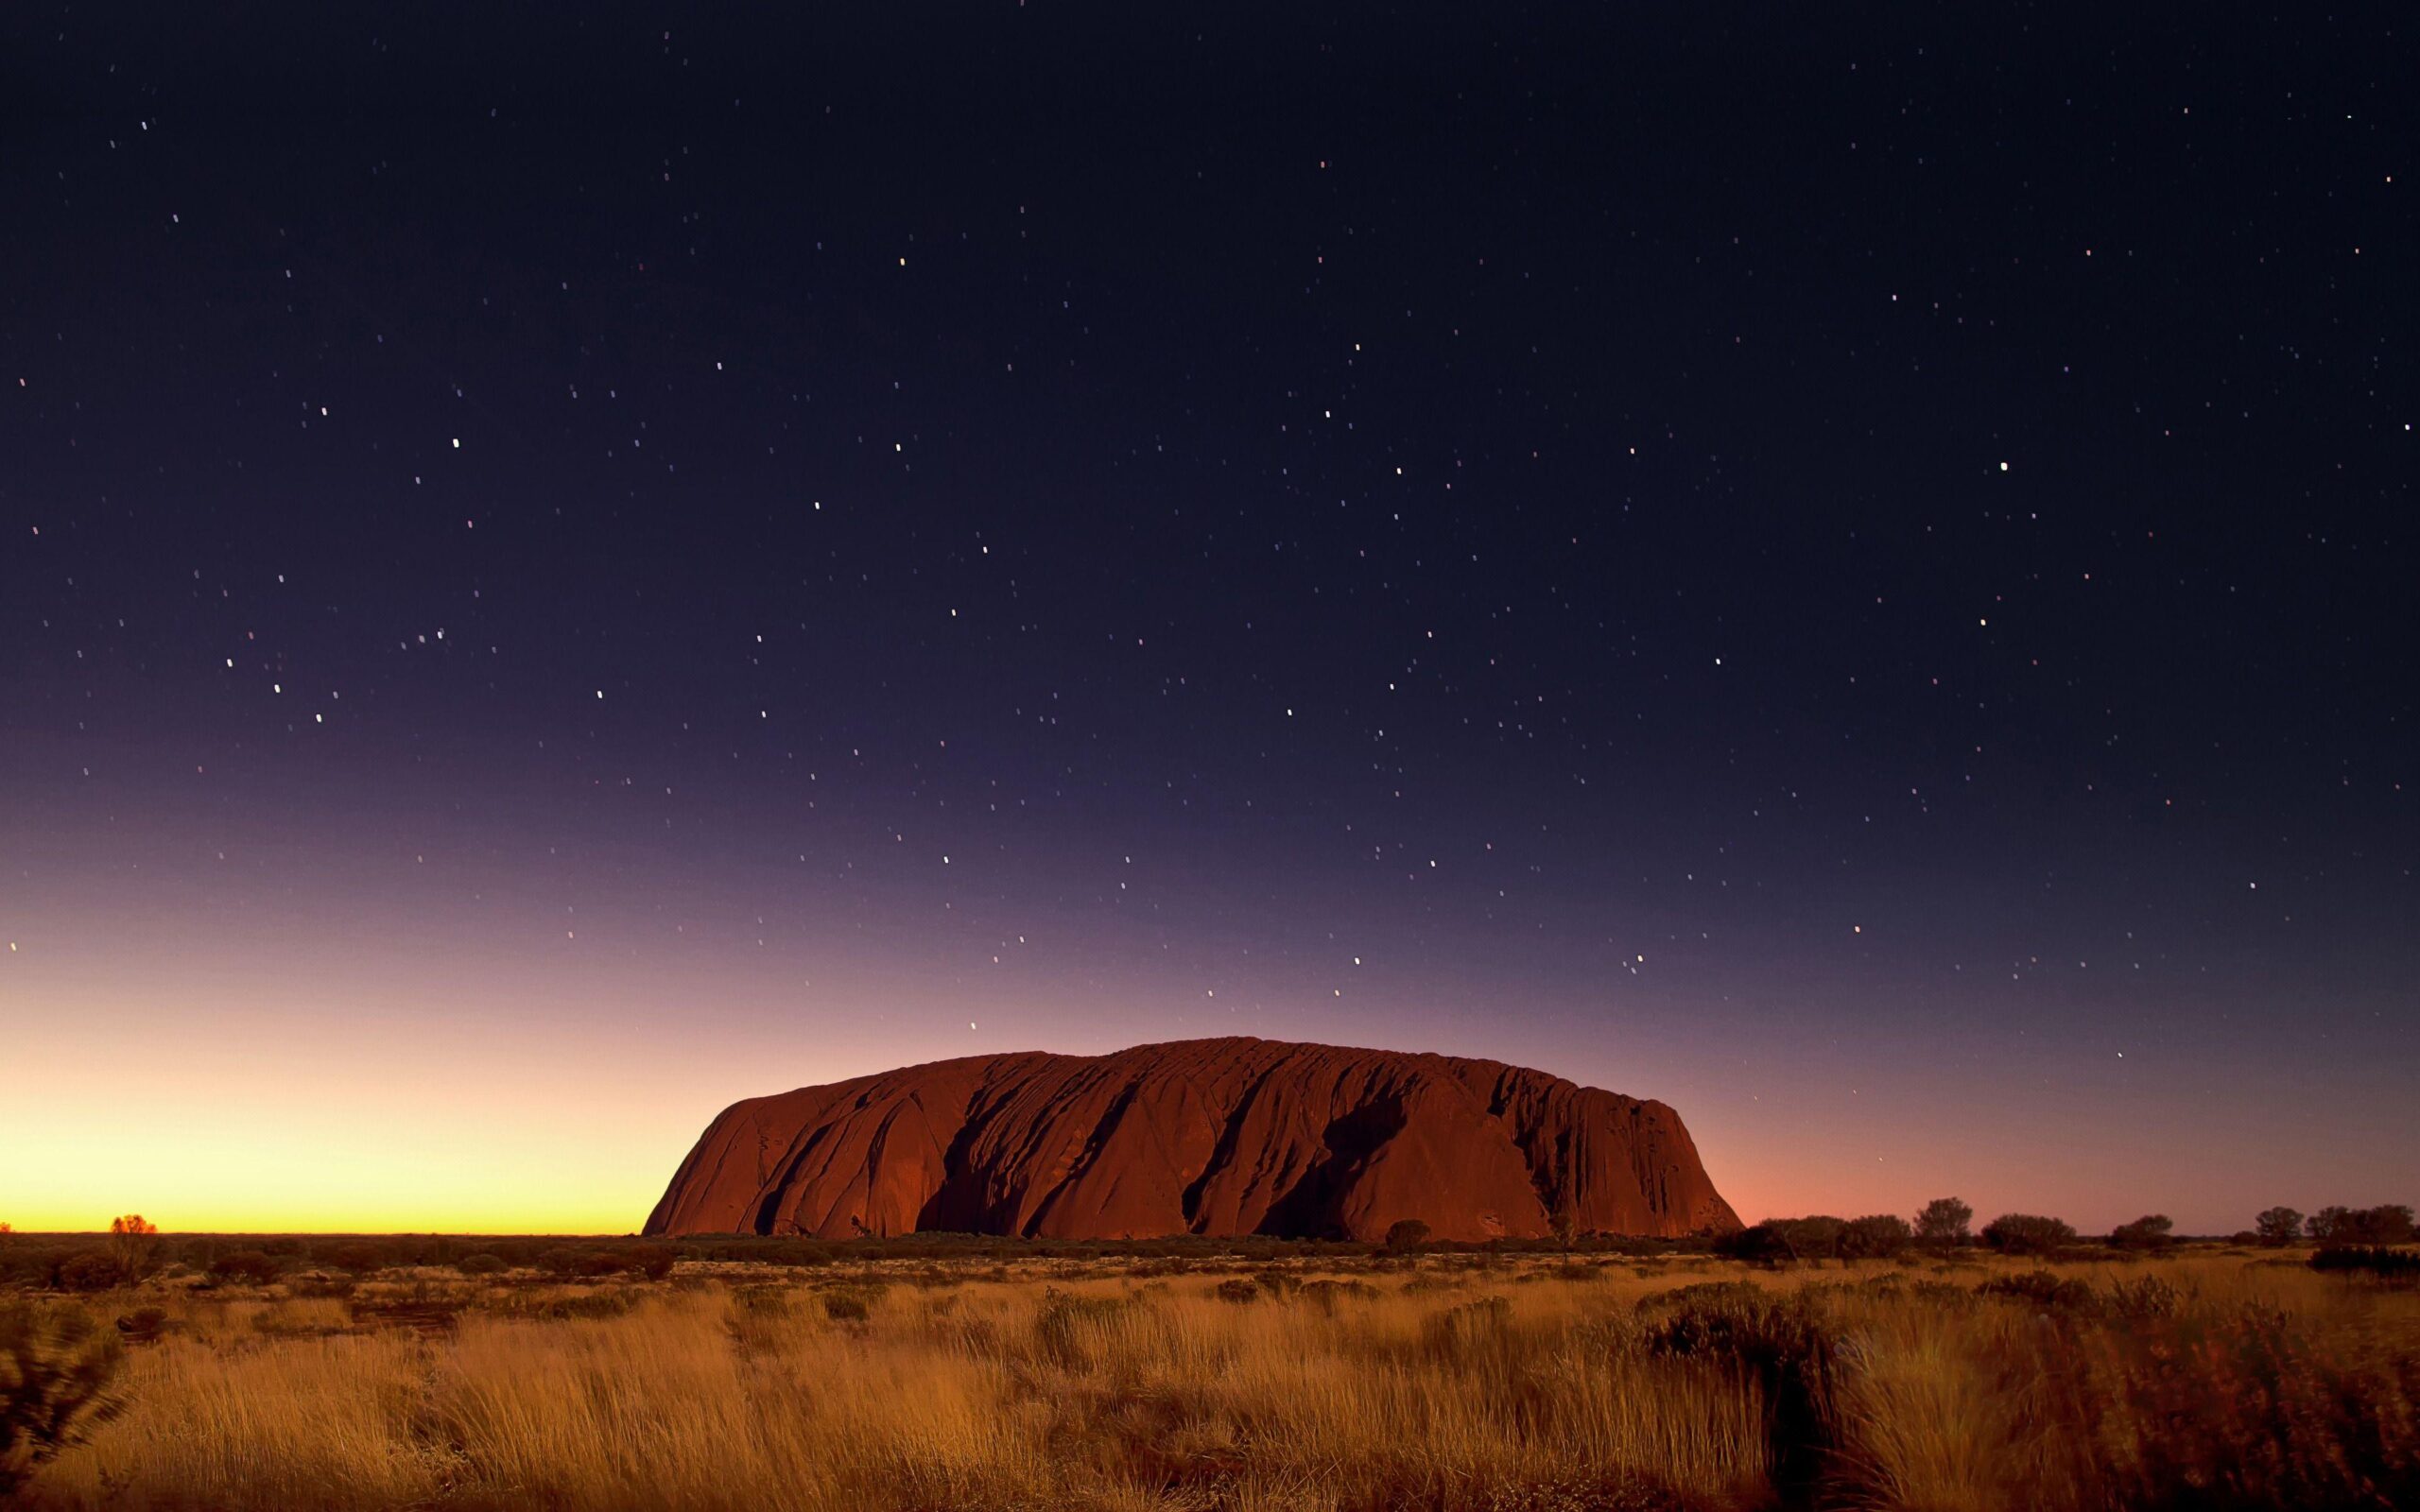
pixel 2278 1227
pixel 1567 1225
pixel 134 1245
pixel 2026 1233
pixel 2387 1223
pixel 1405 1235
pixel 1943 1221
pixel 1876 1237
pixel 2150 1231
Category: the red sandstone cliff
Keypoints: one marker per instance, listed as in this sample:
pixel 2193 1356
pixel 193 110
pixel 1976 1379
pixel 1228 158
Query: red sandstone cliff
pixel 1200 1136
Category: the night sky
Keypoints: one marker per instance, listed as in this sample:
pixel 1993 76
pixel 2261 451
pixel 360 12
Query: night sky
pixel 1857 578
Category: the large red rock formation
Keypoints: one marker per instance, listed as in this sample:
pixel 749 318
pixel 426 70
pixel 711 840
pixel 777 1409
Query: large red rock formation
pixel 1201 1136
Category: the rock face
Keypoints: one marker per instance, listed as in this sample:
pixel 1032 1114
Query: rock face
pixel 1201 1136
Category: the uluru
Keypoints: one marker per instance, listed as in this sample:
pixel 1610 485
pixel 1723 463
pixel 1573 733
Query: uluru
pixel 1213 1137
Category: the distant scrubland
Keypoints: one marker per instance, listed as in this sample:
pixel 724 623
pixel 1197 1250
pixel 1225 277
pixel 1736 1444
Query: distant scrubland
pixel 934 1373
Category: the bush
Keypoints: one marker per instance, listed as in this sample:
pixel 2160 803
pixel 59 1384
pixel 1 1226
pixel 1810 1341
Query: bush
pixel 1878 1237
pixel 853 1302
pixel 1782 1341
pixel 1406 1236
pixel 252 1268
pixel 1236 1289
pixel 86 1270
pixel 571 1265
pixel 2144 1298
pixel 1760 1243
pixel 2278 1227
pixel 2042 1289
pixel 482 1263
pixel 2234 1412
pixel 1326 1295
pixel 561 1309
pixel 1477 1321
pixel 1059 1326
pixel 654 1261
pixel 57 1383
pixel 2152 1231
pixel 355 1258
pixel 1816 1238
pixel 2026 1233
pixel 2385 1264
pixel 2387 1225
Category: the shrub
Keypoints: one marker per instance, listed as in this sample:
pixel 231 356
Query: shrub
pixel 1406 1236
pixel 2146 1297
pixel 575 1263
pixel 1878 1237
pixel 253 1268
pixel 86 1270
pixel 2026 1233
pixel 763 1301
pixel 2247 1410
pixel 1477 1321
pixel 654 1261
pixel 1326 1295
pixel 1238 1289
pixel 1943 1221
pixel 355 1258
pixel 2150 1231
pixel 1059 1325
pixel 1816 1238
pixel 2387 1225
pixel 2042 1289
pixel 565 1309
pixel 1781 1341
pixel 57 1375
pixel 2278 1227
pixel 853 1302
pixel 1760 1243
pixel 2386 1265
pixel 482 1263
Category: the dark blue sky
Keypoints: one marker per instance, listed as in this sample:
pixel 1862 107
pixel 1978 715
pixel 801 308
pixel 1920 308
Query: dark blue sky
pixel 1848 577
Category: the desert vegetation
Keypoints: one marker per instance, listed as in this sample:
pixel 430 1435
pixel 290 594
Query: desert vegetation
pixel 936 1372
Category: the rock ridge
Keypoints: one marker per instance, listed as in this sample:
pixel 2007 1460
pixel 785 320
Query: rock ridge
pixel 1215 1136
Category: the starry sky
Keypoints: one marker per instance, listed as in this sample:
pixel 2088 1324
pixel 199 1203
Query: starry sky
pixel 557 571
